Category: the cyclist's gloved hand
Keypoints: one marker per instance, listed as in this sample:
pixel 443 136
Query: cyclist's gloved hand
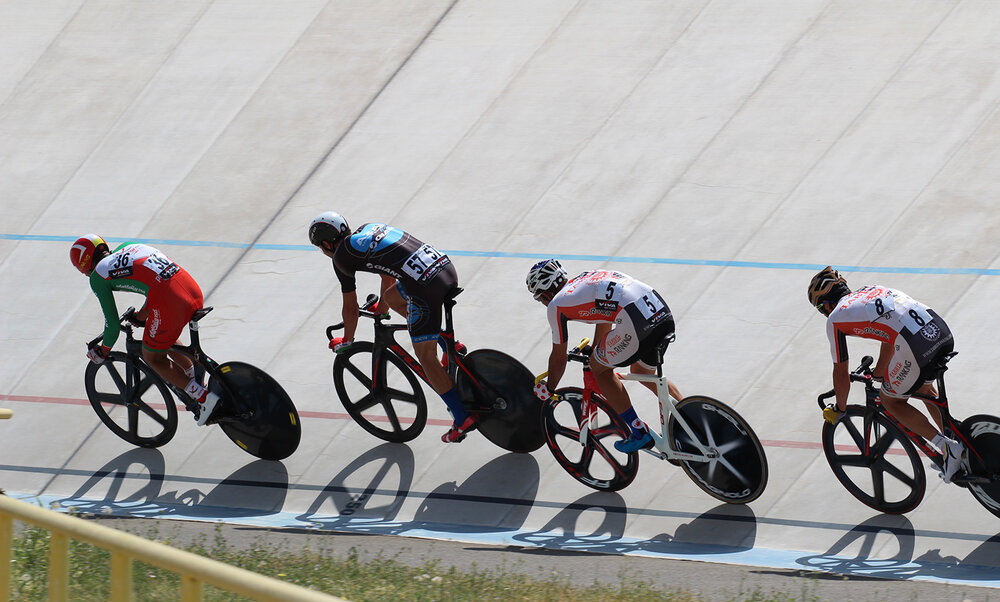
pixel 831 414
pixel 98 354
pixel 542 390
pixel 379 308
pixel 134 320
pixel 339 345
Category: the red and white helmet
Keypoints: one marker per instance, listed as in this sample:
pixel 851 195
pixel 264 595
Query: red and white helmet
pixel 81 254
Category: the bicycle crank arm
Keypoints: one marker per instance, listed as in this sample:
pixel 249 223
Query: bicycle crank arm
pixel 682 456
pixel 972 480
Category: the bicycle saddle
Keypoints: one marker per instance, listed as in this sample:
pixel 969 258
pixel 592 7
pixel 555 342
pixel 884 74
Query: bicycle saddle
pixel 201 313
pixel 942 363
pixel 450 295
pixel 661 347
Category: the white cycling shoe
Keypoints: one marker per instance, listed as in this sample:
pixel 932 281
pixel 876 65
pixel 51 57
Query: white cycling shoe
pixel 206 407
pixel 955 455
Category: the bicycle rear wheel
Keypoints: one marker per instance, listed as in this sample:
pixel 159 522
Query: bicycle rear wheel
pixel 393 410
pixel 499 390
pixel 983 432
pixel 255 412
pixel 880 466
pixel 131 400
pixel 593 463
pixel 738 474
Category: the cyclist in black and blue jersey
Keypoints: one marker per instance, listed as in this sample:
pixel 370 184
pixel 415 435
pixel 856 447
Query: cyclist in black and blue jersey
pixel 416 277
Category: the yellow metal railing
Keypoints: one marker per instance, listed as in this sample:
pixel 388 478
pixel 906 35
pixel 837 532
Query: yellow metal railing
pixel 195 570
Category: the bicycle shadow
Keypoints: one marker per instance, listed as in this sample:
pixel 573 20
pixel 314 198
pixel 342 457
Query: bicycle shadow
pixel 497 497
pixel 136 483
pixel 865 538
pixel 354 510
pixel 724 529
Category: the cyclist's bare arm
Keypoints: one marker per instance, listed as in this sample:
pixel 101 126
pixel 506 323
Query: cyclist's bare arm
pixel 557 364
pixel 841 384
pixel 885 353
pixel 349 313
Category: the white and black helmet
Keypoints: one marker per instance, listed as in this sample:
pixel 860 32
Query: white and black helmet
pixel 544 276
pixel 328 227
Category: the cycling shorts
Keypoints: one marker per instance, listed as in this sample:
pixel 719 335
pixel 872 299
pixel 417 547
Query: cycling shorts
pixel 915 361
pixel 425 304
pixel 171 306
pixel 634 338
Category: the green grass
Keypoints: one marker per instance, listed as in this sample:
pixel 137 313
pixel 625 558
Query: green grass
pixel 351 578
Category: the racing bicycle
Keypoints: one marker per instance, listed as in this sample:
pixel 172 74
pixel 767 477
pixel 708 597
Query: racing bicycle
pixel 877 460
pixel 134 402
pixel 377 382
pixel 710 441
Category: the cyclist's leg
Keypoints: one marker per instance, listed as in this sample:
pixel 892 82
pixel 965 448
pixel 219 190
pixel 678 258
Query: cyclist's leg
pixel 170 310
pixel 393 294
pixel 424 311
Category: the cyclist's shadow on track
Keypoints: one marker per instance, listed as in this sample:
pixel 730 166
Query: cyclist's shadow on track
pixel 374 501
pixel 980 564
pixel 134 482
pixel 371 503
pixel 702 535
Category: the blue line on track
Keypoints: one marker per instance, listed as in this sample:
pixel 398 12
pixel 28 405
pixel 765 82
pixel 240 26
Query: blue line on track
pixel 768 265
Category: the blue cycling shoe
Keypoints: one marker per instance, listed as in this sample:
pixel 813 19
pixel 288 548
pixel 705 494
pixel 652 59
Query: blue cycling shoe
pixel 635 442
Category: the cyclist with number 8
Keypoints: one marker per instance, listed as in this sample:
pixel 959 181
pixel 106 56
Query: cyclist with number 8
pixel 912 336
pixel 416 277
pixel 172 298
pixel 630 319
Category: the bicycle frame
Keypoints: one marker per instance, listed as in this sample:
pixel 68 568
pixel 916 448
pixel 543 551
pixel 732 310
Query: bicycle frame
pixel 668 409
pixel 873 404
pixel 203 364
pixel 385 342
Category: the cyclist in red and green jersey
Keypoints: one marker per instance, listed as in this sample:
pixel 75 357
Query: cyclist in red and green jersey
pixel 172 297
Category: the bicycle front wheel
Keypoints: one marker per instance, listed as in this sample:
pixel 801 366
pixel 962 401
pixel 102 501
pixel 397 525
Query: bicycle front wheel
pixel 391 405
pixel 736 471
pixel 499 390
pixel 875 462
pixel 256 413
pixel 131 400
pixel 983 432
pixel 595 462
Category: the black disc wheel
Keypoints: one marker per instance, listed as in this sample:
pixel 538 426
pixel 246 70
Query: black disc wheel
pixel 591 458
pixel 983 432
pixel 131 400
pixel 875 461
pixel 500 391
pixel 736 471
pixel 255 412
pixel 391 405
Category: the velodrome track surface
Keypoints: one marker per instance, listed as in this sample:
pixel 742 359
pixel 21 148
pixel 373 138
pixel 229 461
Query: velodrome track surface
pixel 721 151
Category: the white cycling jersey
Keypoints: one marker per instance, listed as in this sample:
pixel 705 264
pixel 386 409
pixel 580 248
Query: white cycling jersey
pixel 917 333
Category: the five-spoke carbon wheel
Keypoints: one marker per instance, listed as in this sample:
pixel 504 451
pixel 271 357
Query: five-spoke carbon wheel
pixel 594 462
pixel 131 400
pixel 875 461
pixel 384 397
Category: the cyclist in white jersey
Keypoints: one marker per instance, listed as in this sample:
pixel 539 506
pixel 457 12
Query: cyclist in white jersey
pixel 630 320
pixel 913 338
